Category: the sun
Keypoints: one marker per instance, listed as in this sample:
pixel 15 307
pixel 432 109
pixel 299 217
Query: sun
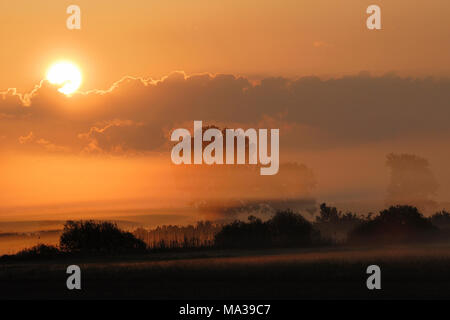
pixel 65 74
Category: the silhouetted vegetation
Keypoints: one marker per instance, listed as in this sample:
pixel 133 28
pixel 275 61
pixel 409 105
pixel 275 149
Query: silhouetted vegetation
pixel 98 237
pixel 441 219
pixel 394 225
pixel 335 225
pixel 170 237
pixel 254 233
pixel 40 250
pixel 285 229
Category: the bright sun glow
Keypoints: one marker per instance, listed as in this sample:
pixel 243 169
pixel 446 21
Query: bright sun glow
pixel 65 74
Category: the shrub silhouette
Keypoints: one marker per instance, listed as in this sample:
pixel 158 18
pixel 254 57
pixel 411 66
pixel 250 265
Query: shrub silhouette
pixel 285 229
pixel 98 237
pixel 39 251
pixel 393 225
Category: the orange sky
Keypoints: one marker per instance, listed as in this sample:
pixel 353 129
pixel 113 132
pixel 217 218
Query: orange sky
pixel 256 38
pixel 111 148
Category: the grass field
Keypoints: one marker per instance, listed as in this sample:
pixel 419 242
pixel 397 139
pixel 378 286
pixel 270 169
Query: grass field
pixel 327 273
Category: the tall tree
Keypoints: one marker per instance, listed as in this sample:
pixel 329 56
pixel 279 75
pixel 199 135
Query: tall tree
pixel 411 182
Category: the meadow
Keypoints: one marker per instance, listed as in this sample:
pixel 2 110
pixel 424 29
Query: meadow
pixel 284 257
pixel 317 273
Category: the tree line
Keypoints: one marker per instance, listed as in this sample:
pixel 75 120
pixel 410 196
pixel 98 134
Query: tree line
pixel 285 229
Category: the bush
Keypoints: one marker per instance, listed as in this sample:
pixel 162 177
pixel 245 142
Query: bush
pixel 394 225
pixel 39 251
pixel 98 237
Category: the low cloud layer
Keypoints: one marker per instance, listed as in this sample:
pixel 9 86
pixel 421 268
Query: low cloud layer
pixel 136 115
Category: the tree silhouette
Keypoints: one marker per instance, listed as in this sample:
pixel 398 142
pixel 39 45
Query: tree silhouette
pixel 411 182
pixel 334 224
pixel 285 229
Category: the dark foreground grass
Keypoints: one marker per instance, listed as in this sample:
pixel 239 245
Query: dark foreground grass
pixel 407 272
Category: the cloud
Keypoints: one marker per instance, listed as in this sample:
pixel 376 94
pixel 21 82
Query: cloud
pixel 135 115
pixel 119 136
pixel 47 145
pixel 25 98
pixel 27 138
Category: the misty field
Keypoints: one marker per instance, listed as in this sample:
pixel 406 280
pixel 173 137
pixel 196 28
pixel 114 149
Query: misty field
pixel 14 242
pixel 330 273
